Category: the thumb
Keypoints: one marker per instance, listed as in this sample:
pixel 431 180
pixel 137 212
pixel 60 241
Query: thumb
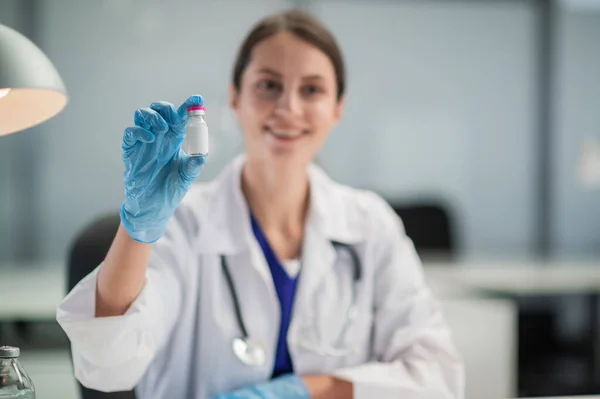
pixel 191 167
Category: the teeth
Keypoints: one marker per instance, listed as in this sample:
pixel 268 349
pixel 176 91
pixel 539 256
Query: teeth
pixel 286 133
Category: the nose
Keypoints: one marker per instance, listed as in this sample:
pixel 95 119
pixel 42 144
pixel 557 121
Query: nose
pixel 289 104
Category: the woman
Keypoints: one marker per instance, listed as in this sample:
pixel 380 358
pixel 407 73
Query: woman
pixel 245 287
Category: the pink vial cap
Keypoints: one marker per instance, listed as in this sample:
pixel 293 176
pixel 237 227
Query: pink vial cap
pixel 197 108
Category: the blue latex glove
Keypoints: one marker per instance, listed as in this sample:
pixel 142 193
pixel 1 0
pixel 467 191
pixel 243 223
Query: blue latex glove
pixel 158 173
pixel 284 387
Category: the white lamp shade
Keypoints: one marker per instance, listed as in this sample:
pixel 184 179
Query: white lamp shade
pixel 31 90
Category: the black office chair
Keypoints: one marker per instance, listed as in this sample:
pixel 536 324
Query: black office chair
pixel 88 251
pixel 430 227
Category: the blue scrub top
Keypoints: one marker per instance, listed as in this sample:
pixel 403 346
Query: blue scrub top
pixel 286 290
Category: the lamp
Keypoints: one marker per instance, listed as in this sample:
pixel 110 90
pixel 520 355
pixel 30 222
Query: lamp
pixel 31 90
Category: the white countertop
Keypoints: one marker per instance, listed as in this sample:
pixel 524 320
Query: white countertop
pixel 518 277
pixel 31 292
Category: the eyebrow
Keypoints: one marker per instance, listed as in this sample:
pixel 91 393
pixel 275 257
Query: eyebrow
pixel 275 73
pixel 269 71
pixel 313 77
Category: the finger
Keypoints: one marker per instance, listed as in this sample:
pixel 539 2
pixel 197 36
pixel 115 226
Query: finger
pixel 192 101
pixel 191 167
pixel 135 134
pixel 149 119
pixel 167 111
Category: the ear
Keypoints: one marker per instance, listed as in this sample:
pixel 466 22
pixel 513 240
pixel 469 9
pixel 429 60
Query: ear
pixel 339 109
pixel 233 97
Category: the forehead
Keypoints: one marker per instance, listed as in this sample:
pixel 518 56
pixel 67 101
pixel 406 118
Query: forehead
pixel 288 54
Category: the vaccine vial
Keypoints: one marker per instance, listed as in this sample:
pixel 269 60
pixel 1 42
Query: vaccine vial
pixel 196 133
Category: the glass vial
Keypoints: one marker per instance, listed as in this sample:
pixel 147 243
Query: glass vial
pixel 196 132
pixel 14 381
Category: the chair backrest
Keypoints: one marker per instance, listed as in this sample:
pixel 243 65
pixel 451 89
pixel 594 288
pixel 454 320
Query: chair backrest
pixel 87 252
pixel 430 227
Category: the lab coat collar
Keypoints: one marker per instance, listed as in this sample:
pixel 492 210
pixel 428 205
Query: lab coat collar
pixel 226 225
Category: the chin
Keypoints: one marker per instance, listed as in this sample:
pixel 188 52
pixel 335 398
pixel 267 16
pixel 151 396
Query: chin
pixel 288 157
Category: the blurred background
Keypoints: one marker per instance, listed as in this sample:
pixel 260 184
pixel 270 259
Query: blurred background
pixel 477 120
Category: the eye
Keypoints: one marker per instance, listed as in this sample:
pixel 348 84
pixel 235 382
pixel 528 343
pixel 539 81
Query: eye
pixel 311 90
pixel 268 85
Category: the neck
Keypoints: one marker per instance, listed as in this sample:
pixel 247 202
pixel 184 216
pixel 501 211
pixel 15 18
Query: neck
pixel 277 197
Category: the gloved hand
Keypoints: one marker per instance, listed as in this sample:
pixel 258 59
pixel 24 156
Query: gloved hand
pixel 284 387
pixel 158 173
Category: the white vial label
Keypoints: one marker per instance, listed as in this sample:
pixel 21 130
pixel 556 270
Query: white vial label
pixel 196 137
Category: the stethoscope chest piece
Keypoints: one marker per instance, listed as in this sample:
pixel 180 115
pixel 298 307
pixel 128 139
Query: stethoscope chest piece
pixel 248 352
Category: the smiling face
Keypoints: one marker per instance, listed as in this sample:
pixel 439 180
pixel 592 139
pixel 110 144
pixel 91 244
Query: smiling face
pixel 287 102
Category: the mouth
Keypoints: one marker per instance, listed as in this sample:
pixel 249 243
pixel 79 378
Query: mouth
pixel 286 134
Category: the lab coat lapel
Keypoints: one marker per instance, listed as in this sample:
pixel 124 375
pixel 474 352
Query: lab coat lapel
pixel 318 256
pixel 227 229
pixel 328 221
pixel 259 263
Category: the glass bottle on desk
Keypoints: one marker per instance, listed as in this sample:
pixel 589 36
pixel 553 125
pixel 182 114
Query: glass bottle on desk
pixel 14 381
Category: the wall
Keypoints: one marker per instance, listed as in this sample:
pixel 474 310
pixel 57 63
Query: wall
pixel 576 210
pixel 18 163
pixel 441 103
pixel 115 57
pixel 8 11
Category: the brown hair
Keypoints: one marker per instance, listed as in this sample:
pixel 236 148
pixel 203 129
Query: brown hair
pixel 304 26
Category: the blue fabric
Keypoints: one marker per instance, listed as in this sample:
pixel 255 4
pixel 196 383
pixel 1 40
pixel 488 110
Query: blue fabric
pixel 286 290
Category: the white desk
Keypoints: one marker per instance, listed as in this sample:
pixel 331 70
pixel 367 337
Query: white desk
pixel 484 331
pixel 527 279
pixel 516 277
pixel 31 292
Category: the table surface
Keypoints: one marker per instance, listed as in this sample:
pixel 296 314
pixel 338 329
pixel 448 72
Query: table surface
pixel 33 292
pixel 519 277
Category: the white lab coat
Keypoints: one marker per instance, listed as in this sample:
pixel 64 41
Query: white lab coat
pixel 175 339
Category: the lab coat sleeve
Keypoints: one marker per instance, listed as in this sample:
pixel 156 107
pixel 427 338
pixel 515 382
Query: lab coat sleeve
pixel 112 353
pixel 413 352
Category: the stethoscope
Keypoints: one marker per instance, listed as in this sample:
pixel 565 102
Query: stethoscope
pixel 252 353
